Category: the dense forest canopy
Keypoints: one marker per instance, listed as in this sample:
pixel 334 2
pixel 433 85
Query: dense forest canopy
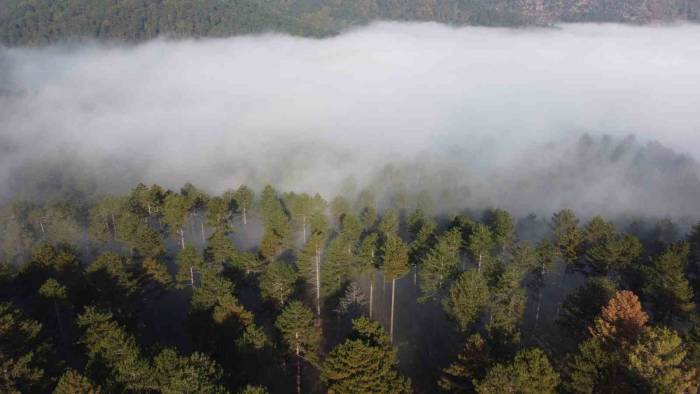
pixel 44 21
pixel 256 291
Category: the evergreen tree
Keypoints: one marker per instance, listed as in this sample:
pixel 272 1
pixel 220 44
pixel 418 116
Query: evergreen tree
pixel 480 243
pixel 566 234
pixel 366 363
pixel 21 352
pixel 175 212
pixel 366 264
pixel 439 265
pixel 276 230
pixel 389 224
pixel 196 373
pixel 667 287
pixel 220 249
pixel 189 266
pixel 582 306
pixel 395 265
pixel 501 224
pixel 277 283
pixel 529 373
pixel 300 333
pixel 467 298
pixel 471 365
pixel 72 382
pixel 309 264
pixel 613 253
pixel 244 198
pixel 506 308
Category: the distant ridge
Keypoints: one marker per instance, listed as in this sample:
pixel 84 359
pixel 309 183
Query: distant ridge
pixel 36 22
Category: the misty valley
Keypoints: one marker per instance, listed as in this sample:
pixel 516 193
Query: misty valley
pixel 349 197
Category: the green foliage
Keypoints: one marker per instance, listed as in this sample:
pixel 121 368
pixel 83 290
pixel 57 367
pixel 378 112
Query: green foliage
pixel 467 298
pixel 249 389
pixel 583 305
pixel 389 224
pixel 529 373
pixel 501 224
pixel 394 258
pixel 220 249
pixel 439 265
pixel 276 229
pixel 72 382
pixel 299 330
pixel 21 351
pixel 613 253
pixel 109 346
pixel 366 364
pixel 189 262
pixel 566 234
pixel 194 374
pixel 480 243
pixel 667 286
pixel 471 365
pixel 278 281
pixel 507 308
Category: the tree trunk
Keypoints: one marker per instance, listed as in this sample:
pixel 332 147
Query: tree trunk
pixel 371 296
pixel 114 227
pixel 245 219
pixel 391 324
pixel 192 277
pixel 58 320
pixel 539 302
pixel 182 238
pixel 303 225
pixel 480 256
pixel 318 282
pixel 298 364
pixel 203 238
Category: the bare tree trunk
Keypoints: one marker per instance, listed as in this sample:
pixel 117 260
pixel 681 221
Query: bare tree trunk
pixel 391 324
pixel 182 238
pixel 192 277
pixel 298 365
pixel 318 282
pixel 303 225
pixel 203 238
pixel 114 227
pixel 371 296
pixel 58 320
pixel 245 219
pixel 480 262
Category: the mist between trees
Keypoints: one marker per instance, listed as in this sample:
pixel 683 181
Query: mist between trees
pixel 254 290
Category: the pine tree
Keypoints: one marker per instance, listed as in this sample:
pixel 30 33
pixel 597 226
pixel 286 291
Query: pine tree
pixel 276 229
pixel 480 243
pixel 72 382
pixel 108 343
pixel 529 373
pixel 366 264
pixel 621 321
pixel 244 198
pixel 277 283
pixel 667 286
pixel 220 249
pixel 57 294
pixel 582 306
pixel 506 308
pixel 21 352
pixel 364 364
pixel 439 265
pixel 471 365
pixel 175 212
pixel 189 266
pixel 300 334
pixel 613 253
pixel 658 358
pixel 566 234
pixel 196 373
pixel 501 224
pixel 467 298
pixel 395 265
pixel 309 265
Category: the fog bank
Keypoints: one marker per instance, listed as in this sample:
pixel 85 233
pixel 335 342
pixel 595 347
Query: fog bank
pixel 476 116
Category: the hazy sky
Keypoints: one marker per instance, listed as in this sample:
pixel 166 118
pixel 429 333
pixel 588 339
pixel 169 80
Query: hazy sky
pixel 307 113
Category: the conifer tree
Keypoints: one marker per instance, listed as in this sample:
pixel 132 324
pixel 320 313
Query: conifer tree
pixel 366 264
pixel 583 305
pixel 506 308
pixel 189 266
pixel 244 198
pixel 440 264
pixel 501 224
pixel 276 230
pixel 566 234
pixel 395 265
pixel 21 352
pixel 471 365
pixel 529 373
pixel 480 243
pixel 309 264
pixel 365 363
pixel 667 287
pixel 301 335
pixel 175 212
pixel 72 382
pixel 467 298
pixel 196 373
pixel 278 281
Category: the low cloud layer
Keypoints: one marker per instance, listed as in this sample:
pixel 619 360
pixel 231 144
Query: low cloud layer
pixel 477 116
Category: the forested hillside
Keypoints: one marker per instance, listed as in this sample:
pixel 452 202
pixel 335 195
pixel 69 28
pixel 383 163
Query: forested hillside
pixel 256 291
pixel 43 21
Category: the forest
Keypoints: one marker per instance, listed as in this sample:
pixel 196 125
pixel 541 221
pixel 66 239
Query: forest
pixel 256 291
pixel 35 22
